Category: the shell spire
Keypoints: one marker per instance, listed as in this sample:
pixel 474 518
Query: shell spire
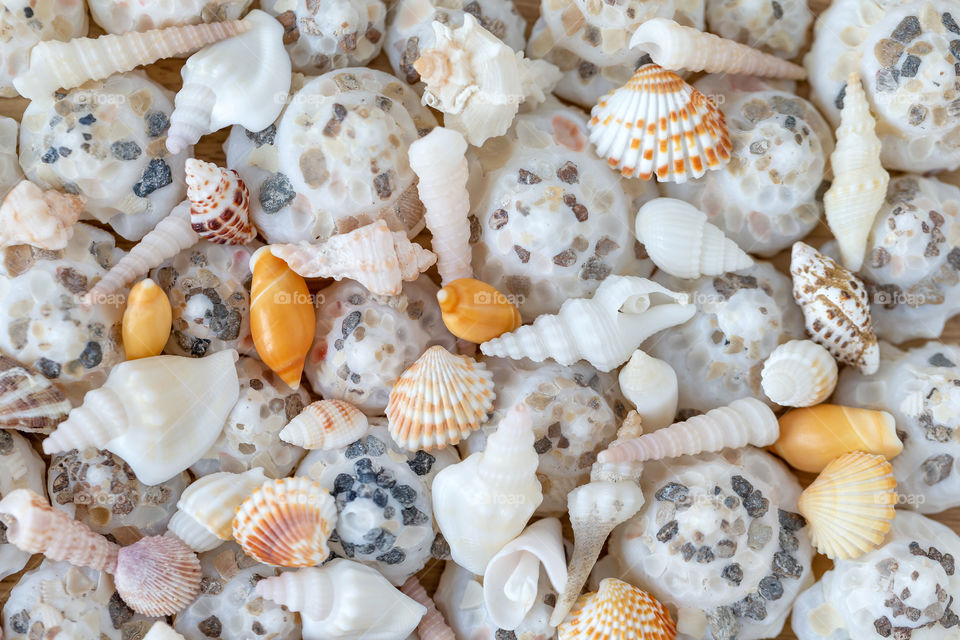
pixel 101 418
pixel 379 259
pixel 440 164
pixel 432 625
pixel 326 424
pixel 219 203
pixel 510 453
pixel 43 219
pixel 157 575
pixel 799 373
pixel 859 180
pixel 29 402
pixel 675 47
pixel 55 65
pixel 743 422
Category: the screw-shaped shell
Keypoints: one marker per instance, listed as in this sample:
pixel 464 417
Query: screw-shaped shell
pixel 799 373
pixel 474 311
pixel 219 203
pixel 432 625
pixel 146 320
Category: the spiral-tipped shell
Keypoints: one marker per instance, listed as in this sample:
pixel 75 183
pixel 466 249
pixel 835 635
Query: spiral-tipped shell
pixel 219 203
pixel 326 424
pixel 157 575
pixel 100 419
pixel 799 373
pixel 432 625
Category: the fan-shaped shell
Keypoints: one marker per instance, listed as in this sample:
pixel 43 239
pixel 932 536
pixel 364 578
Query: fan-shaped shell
pixel 850 506
pixel 219 203
pixel 157 575
pixel 439 400
pixel 799 373
pixel 286 523
pixel 326 424
pixel 618 611
pixel 474 311
pixel 657 124
pixel 28 401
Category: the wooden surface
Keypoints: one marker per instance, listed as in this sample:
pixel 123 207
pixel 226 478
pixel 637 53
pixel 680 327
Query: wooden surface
pixel 167 73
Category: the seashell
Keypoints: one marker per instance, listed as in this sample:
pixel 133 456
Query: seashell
pixel 344 600
pixel 43 219
pixel 379 259
pixel 146 320
pixel 439 400
pixel 474 311
pixel 681 242
pixel 618 611
pixel 629 127
pixel 479 82
pixel 850 506
pixel 743 422
pixel 510 582
pixel 120 17
pixel 157 575
pixel 55 64
pixel 650 384
pixel 172 235
pixel 485 501
pixel 28 401
pixel 219 210
pixel 286 523
pixel 232 82
pixel 859 180
pixel 812 437
pixel 440 164
pixel 151 413
pixel 326 424
pixel 162 631
pixel 282 323
pixel 675 47
pixel 799 373
pixel 604 330
pixel 36 527
pixel 836 308
pixel 206 509
pixel 432 625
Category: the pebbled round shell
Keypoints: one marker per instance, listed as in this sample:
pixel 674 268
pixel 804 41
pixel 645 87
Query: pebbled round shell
pixel 219 203
pixel 799 373
pixel 157 575
pixel 326 424
pixel 28 401
pixel 618 611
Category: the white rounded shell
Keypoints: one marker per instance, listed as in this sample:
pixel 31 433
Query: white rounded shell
pixel 21 467
pixel 121 17
pixel 799 373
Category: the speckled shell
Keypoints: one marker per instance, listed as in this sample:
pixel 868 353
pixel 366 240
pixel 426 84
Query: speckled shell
pixel 29 402
pixel 219 209
pixel 21 467
pixel 799 373
pixel 617 612
pixel 43 219
pixel 120 17
pixel 474 311
pixel 157 575
pixel 780 29
pixel 146 320
pixel 286 523
pixel 326 424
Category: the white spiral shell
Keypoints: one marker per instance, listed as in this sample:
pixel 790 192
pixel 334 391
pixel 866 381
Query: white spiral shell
pixel 799 373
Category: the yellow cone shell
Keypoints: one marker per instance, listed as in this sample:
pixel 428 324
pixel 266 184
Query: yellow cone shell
pixel 146 321
pixel 812 437
pixel 475 311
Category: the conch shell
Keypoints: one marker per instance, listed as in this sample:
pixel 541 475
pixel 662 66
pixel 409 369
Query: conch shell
pixel 43 219
pixel 326 424
pixel 219 203
pixel 604 330
pixel 651 385
pixel 799 373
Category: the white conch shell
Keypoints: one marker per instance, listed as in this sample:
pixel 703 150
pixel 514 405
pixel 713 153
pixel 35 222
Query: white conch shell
pixel 172 235
pixel 603 330
pixel 674 47
pixel 681 242
pixel 55 64
pixel 344 600
pixel 799 373
pixel 162 631
pixel 379 259
pixel 478 82
pixel 485 501
pixel 44 219
pixel 432 625
pixel 239 81
pixel 742 422
pixel 859 180
pixel 510 582
pixel 440 164
pixel 326 424
pixel 205 511
pixel 159 414
pixel 651 385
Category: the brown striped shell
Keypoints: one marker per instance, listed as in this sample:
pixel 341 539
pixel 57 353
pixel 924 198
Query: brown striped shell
pixel 219 203
pixel 326 424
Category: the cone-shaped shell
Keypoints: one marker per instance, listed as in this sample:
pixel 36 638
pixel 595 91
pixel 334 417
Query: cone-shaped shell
pixel 28 401
pixel 439 400
pixel 859 180
pixel 43 219
pixel 282 320
pixel 675 47
pixel 219 203
pixel 326 424
pixel 432 626
pixel 658 125
pixel 474 311
pixel 812 437
pixel 618 611
pixel 799 373
pixel 651 385
pixel 379 259
pixel 146 320
pixel 743 422
pixel 681 242
pixel 836 308
pixel 286 523
pixel 162 631
pixel 55 64
pixel 157 575
pixel 850 506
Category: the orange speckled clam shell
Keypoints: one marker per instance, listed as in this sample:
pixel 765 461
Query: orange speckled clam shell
pixel 618 611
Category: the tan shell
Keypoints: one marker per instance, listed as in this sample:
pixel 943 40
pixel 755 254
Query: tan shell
pixel 618 611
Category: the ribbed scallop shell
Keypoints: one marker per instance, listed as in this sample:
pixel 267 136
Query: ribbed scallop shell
pixel 657 124
pixel 799 373
pixel 157 575
pixel 850 506
pixel 326 424
pixel 439 400
pixel 28 401
pixel 286 523
pixel 219 203
pixel 618 611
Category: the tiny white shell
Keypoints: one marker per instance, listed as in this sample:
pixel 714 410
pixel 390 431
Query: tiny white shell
pixel 799 373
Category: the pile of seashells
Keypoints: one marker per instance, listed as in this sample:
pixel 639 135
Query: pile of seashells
pixel 522 375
